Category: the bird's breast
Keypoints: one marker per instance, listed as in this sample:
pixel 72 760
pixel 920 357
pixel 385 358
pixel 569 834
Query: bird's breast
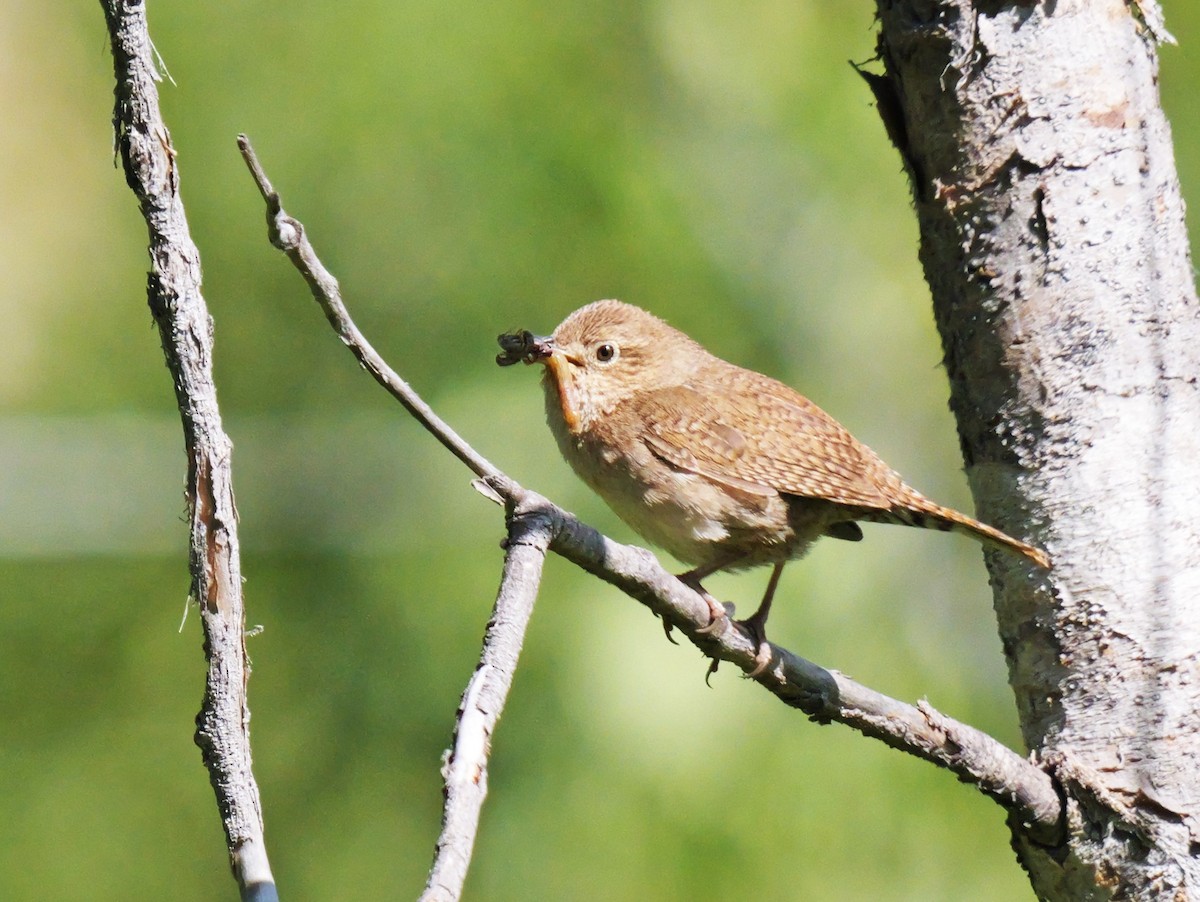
pixel 695 519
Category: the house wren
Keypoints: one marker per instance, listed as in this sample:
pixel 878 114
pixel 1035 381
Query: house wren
pixel 723 467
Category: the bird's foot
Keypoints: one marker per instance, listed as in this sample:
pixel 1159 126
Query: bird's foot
pixel 718 614
pixel 755 628
pixel 668 629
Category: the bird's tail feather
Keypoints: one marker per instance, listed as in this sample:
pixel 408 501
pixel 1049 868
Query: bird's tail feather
pixel 924 514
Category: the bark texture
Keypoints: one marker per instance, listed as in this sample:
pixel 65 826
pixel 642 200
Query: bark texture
pixel 1053 239
pixel 185 328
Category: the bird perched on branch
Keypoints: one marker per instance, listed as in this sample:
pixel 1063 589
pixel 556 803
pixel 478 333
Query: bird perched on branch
pixel 723 467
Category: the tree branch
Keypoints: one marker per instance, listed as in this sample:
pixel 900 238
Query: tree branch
pixel 825 695
pixel 185 328
pixel 287 234
pixel 530 531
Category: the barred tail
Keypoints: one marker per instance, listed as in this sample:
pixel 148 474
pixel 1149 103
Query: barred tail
pixel 924 514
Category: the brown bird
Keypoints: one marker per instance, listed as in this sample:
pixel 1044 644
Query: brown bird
pixel 723 467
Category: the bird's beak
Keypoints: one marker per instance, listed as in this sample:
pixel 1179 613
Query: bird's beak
pixel 560 367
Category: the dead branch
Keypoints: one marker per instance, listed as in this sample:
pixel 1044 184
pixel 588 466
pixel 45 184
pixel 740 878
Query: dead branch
pixel 223 724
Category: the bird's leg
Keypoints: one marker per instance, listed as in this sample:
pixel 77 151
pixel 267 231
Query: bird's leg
pixel 717 613
pixel 756 623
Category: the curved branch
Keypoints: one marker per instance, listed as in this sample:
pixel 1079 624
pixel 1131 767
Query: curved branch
pixel 223 725
pixel 825 695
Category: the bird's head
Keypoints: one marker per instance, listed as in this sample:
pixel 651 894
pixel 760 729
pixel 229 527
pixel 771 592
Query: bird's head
pixel 601 355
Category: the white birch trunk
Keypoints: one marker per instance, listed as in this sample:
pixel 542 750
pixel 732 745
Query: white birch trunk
pixel 1053 238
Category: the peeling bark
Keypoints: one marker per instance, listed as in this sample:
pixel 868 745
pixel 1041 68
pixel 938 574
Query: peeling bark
pixel 143 145
pixel 1053 240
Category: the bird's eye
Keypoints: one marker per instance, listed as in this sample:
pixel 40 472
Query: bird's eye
pixel 607 352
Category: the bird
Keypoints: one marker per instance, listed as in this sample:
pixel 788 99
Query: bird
pixel 724 467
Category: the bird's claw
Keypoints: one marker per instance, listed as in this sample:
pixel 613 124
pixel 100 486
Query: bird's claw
pixel 718 617
pixel 712 668
pixel 753 628
pixel 668 629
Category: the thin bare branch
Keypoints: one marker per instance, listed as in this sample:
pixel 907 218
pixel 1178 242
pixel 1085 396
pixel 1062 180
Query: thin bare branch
pixel 825 695
pixel 465 771
pixel 223 726
pixel 287 234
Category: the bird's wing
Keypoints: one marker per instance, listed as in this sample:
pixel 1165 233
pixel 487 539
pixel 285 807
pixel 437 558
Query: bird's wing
pixel 776 440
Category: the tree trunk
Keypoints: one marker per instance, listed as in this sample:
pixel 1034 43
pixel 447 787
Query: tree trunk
pixel 1053 239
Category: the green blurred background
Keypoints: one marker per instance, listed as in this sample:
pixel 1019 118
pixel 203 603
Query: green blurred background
pixel 466 169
